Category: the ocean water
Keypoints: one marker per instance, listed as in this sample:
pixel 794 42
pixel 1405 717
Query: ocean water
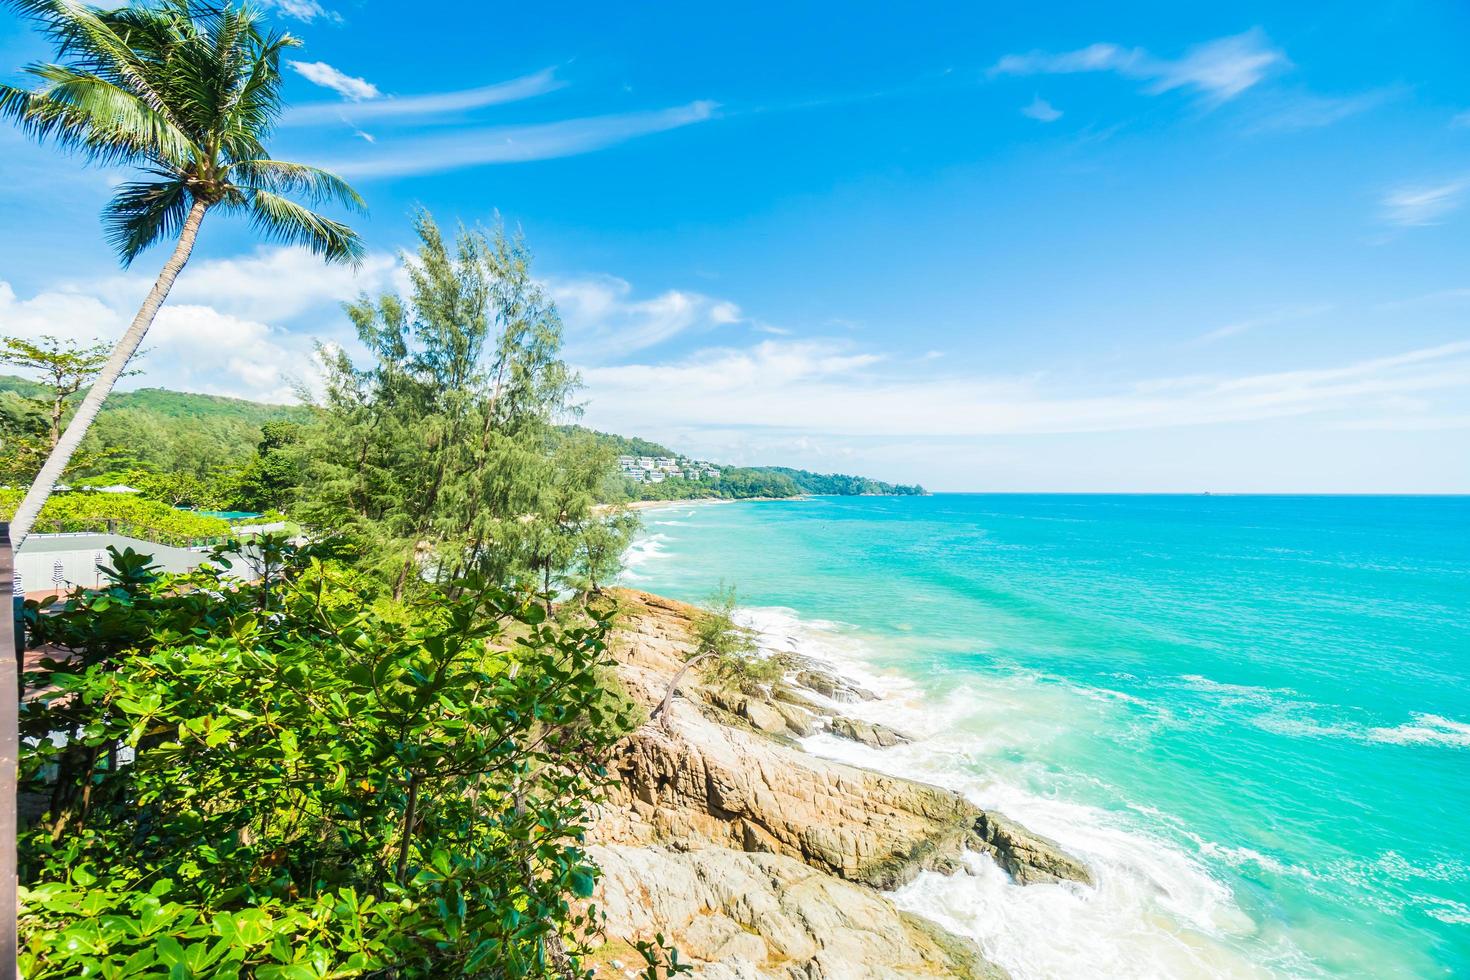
pixel 1250 715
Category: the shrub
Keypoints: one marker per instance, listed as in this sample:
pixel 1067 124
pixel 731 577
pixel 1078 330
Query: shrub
pixel 734 659
pixel 304 779
pixel 120 513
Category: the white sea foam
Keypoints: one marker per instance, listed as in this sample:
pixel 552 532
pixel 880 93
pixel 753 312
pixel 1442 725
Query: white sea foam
pixel 1156 911
pixel 1284 712
pixel 646 548
pixel 1425 730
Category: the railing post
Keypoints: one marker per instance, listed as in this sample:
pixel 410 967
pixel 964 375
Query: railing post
pixel 12 640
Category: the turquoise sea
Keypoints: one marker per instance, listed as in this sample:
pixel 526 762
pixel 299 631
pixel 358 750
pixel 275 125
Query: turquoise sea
pixel 1250 714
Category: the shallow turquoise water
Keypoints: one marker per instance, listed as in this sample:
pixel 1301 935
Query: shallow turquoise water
pixel 1269 694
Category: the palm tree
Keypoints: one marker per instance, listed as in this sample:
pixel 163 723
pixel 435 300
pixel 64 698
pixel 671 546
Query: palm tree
pixel 188 94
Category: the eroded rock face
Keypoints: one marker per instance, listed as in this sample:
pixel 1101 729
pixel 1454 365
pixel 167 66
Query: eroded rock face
pixel 705 782
pixel 765 916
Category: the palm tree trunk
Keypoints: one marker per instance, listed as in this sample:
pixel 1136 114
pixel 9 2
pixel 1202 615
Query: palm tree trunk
pixel 61 453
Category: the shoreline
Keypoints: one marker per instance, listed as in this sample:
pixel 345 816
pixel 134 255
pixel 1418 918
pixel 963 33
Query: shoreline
pixel 754 853
pixel 693 502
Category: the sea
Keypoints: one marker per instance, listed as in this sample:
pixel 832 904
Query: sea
pixel 1250 715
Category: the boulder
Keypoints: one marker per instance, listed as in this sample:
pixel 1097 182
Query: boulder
pixel 831 686
pixel 799 720
pixel 770 917
pixel 763 716
pixel 870 734
pixel 1028 858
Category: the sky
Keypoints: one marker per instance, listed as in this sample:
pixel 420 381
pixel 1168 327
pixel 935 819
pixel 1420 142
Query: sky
pixel 1071 247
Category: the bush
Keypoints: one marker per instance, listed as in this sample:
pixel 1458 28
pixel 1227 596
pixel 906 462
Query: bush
pixel 304 779
pixel 735 661
pixel 119 513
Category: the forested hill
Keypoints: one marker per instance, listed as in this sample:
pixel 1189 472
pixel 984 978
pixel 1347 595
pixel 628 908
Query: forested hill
pixel 749 481
pixel 178 404
pixel 175 431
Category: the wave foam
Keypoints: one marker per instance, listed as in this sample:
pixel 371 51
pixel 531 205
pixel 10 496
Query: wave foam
pixel 1425 730
pixel 1157 911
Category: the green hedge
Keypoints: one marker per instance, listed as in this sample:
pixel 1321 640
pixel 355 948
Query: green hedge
pixel 121 514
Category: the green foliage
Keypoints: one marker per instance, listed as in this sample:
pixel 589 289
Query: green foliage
pixel 65 367
pixel 268 479
pixel 24 439
pixel 734 660
pixel 302 778
pixel 438 458
pixel 620 445
pixel 122 514
pixel 841 485
pixel 204 438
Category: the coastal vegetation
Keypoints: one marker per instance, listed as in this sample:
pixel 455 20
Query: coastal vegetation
pixel 303 777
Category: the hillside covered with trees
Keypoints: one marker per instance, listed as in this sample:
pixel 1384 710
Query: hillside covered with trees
pixel 226 453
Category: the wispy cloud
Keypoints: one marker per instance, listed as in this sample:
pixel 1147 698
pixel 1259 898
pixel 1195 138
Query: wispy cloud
pixel 345 85
pixel 227 328
pixel 430 104
pixel 1216 71
pixel 302 10
pixel 1304 110
pixel 603 317
pixel 518 144
pixel 1285 314
pixel 1424 204
pixel 822 388
pixel 1041 110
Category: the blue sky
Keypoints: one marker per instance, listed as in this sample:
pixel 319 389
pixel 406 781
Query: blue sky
pixel 1146 247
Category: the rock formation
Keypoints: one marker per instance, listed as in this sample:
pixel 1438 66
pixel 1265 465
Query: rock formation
pixel 760 860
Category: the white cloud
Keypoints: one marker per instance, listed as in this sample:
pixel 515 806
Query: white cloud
pixel 1460 119
pixel 1424 204
pixel 435 103
pixel 303 10
pixel 189 347
pixel 518 144
pixel 1216 71
pixel 345 85
pixel 603 319
pixel 822 389
pixel 1041 110
pixel 272 283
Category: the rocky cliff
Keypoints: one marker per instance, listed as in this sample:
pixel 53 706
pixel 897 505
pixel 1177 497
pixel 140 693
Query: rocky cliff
pixel 759 860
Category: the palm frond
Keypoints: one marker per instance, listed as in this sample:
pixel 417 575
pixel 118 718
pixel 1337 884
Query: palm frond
pixel 315 184
pixel 90 39
pixel 285 221
pixel 143 212
pixel 87 110
pixel 257 100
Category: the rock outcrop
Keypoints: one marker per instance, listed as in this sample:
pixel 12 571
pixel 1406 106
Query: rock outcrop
pixel 760 860
pixel 703 782
pixel 870 734
pixel 759 916
pixel 1028 858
